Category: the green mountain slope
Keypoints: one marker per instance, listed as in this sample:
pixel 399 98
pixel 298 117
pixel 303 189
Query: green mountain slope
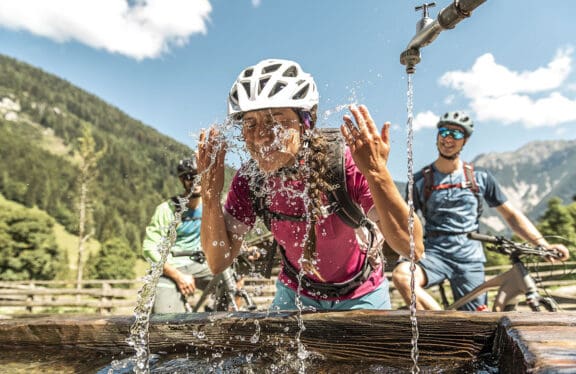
pixel 41 120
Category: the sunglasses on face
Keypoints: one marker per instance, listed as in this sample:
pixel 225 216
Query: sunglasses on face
pixel 456 134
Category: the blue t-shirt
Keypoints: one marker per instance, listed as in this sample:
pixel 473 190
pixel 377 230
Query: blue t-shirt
pixel 455 210
pixel 187 233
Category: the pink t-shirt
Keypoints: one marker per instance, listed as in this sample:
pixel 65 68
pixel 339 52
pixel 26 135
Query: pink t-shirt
pixel 341 251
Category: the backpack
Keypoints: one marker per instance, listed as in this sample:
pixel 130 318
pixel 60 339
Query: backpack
pixel 469 182
pixel 340 203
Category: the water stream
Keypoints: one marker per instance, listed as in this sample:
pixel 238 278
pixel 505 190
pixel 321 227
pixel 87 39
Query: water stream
pixel 410 137
pixel 139 336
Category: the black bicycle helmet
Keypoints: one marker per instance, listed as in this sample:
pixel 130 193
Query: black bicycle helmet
pixel 186 166
pixel 458 118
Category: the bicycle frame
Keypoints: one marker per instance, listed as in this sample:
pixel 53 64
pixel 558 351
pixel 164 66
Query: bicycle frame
pixel 223 286
pixel 511 284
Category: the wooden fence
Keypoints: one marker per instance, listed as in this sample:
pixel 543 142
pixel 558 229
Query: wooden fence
pixel 102 296
pixel 120 296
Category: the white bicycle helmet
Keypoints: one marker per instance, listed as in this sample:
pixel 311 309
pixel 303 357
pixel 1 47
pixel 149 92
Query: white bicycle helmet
pixel 272 83
pixel 458 118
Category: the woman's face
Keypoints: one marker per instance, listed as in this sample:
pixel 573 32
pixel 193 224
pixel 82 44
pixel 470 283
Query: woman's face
pixel 272 137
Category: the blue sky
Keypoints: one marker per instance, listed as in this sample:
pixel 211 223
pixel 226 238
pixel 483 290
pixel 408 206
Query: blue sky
pixel 170 63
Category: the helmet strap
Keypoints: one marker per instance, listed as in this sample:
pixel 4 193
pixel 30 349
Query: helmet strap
pixel 305 119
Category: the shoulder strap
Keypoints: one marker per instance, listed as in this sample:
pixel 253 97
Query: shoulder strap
pixel 339 197
pixel 428 174
pixel 470 178
pixel 473 185
pixel 177 203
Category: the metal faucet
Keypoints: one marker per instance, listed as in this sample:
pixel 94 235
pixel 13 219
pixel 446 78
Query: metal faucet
pixel 428 29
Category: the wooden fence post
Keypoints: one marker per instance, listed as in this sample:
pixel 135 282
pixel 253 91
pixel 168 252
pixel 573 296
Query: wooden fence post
pixel 105 299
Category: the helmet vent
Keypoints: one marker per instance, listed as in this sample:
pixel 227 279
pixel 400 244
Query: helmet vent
pixel 292 71
pixel 234 97
pixel 301 93
pixel 270 68
pixel 262 84
pixel 248 73
pixel 246 86
pixel 277 88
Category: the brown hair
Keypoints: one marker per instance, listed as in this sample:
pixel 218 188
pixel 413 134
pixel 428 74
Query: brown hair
pixel 315 155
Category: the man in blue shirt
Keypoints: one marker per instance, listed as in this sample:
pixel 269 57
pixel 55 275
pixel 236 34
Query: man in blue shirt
pixel 185 269
pixel 449 194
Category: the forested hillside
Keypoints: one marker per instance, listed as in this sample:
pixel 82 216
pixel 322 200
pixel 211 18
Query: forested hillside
pixel 42 121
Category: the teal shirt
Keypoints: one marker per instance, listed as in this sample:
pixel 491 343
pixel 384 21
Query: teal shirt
pixel 187 234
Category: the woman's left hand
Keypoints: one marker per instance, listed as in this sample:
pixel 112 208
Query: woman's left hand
pixel 369 149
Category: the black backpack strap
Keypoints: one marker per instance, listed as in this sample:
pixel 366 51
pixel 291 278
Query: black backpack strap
pixel 428 174
pixel 334 290
pixel 177 203
pixel 339 198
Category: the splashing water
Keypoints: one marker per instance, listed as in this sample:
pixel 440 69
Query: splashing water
pixel 139 335
pixel 413 320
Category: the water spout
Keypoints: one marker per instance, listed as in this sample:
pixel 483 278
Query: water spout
pixel 428 29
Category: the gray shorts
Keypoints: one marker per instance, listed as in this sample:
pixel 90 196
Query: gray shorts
pixel 168 297
pixel 463 277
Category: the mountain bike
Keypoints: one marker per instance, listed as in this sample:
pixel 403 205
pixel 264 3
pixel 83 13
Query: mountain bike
pixel 514 283
pixel 228 296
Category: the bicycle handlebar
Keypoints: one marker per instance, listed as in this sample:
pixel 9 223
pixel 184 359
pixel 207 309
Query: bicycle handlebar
pixel 484 238
pixel 511 248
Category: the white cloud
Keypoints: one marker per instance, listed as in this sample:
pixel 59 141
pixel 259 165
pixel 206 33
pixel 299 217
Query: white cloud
pixel 137 28
pixel 425 120
pixel 531 98
pixel 256 3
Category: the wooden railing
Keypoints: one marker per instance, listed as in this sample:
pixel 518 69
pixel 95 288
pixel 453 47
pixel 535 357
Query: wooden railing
pixel 102 296
pixel 120 296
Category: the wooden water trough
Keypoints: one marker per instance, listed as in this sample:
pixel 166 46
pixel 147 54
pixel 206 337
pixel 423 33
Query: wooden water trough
pixel 516 342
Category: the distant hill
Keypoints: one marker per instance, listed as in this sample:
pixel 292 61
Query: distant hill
pixel 531 175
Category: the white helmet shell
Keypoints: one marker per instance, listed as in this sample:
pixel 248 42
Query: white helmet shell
pixel 272 83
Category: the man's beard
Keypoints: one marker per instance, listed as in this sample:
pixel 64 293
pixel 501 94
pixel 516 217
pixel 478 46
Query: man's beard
pixel 453 157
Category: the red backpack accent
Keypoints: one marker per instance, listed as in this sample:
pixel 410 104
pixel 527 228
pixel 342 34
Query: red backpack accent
pixel 469 182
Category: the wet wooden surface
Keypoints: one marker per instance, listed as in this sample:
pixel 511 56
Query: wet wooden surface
pixel 537 343
pixel 523 342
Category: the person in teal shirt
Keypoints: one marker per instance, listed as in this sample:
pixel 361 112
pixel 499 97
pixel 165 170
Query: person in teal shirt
pixel 185 269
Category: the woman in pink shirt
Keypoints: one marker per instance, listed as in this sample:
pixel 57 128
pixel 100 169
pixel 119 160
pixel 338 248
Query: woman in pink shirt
pixel 326 263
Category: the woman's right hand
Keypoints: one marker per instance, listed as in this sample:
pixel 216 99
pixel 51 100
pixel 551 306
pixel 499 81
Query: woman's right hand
pixel 211 156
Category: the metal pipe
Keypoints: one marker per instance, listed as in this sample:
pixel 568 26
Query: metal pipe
pixel 428 29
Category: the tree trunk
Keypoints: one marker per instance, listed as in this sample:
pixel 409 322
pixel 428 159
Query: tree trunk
pixel 81 229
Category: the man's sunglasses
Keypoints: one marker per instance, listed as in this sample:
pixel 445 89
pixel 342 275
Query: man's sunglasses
pixel 188 176
pixel 456 134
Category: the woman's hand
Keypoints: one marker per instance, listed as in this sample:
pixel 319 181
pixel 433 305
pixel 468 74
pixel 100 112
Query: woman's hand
pixel 369 149
pixel 211 156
